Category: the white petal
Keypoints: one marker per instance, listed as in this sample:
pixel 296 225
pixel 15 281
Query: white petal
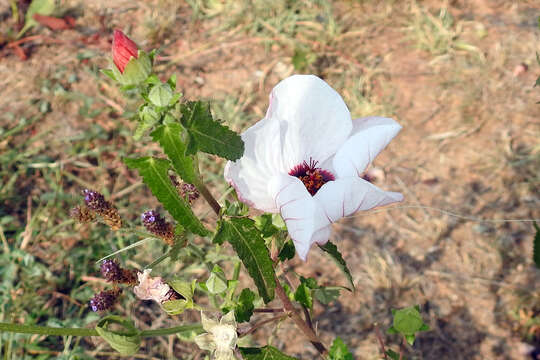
pixel 208 324
pixel 369 136
pixel 228 319
pixel 205 342
pixel 345 196
pixel 301 213
pixel 322 235
pixel 261 160
pixel 313 119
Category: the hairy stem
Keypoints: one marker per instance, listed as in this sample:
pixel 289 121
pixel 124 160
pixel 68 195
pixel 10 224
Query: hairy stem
pixel 301 324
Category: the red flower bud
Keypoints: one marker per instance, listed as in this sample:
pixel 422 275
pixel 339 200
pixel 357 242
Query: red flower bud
pixel 123 48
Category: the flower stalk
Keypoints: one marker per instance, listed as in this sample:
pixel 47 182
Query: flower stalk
pixel 55 331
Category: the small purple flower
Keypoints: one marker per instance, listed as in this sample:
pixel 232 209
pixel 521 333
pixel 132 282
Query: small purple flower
pixel 157 225
pixel 111 271
pixel 96 202
pixel 104 300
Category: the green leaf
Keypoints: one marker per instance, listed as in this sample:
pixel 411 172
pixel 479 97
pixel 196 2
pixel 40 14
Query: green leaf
pixel 303 295
pixel 536 246
pixel 287 252
pixel 408 322
pixel 334 253
pixel 160 95
pixel 126 341
pixel 170 138
pixel 148 117
pixel 109 73
pixel 244 307
pixel 264 223
pixel 393 355
pixel 264 353
pixel 249 245
pixel 42 7
pixel 339 351
pixel 208 135
pixel 154 174
pixel 325 295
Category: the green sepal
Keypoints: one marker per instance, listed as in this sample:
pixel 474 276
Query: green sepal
pixel 136 71
pixel 176 307
pixel 216 283
pixel 155 175
pixel 126 341
pixel 184 288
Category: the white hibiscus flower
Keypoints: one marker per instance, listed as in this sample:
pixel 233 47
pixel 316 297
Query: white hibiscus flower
pixel 306 158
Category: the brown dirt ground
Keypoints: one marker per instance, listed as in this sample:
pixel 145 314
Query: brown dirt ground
pixel 469 146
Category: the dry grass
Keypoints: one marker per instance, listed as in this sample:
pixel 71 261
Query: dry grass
pixel 469 146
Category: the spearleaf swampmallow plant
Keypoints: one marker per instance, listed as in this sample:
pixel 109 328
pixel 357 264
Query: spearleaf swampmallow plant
pixel 302 165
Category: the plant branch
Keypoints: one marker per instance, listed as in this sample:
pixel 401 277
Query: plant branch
pixel 269 310
pixel 54 331
pixel 381 342
pixel 301 324
pixel 207 195
pixel 261 323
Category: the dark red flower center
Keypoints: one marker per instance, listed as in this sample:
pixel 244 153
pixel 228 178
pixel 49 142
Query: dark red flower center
pixel 312 176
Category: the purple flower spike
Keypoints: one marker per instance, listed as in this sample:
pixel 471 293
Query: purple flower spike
pixel 104 300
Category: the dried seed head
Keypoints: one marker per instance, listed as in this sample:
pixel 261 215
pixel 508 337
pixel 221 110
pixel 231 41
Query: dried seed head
pixel 82 214
pixel 104 300
pixel 158 226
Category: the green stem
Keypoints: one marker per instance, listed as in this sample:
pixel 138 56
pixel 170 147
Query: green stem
pixel 53 331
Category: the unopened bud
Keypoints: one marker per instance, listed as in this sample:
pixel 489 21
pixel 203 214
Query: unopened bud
pixel 123 49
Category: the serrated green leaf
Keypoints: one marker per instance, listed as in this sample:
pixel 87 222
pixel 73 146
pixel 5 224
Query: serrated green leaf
pixel 325 295
pixel 303 296
pixel 155 175
pixel 208 135
pixel 172 81
pixel 126 341
pixel 339 351
pixel 244 308
pixel 249 245
pixel 264 353
pixel 310 282
pixel 42 7
pixel 536 246
pixel 410 338
pixel 334 253
pixel 170 138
